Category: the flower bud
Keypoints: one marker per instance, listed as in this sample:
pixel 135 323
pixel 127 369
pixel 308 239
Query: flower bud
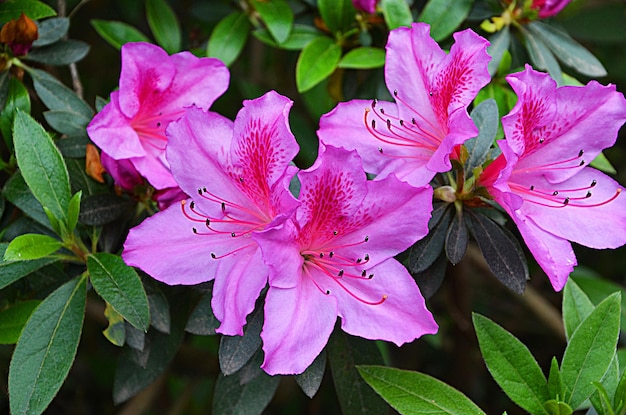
pixel 19 34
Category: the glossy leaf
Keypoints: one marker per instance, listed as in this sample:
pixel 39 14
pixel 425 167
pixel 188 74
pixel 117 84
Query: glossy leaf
pixel 57 96
pixel 60 53
pixel 345 352
pixel 363 58
pixel 278 17
pixel 46 349
pixel 316 62
pixel 414 393
pixel 12 9
pixel 424 253
pixel 13 319
pixel 337 14
pixel 311 379
pixel 299 37
pixel 501 250
pixel 164 25
pixel 397 13
pixel 52 30
pixel 229 37
pixel 41 165
pixel 590 350
pixel 118 33
pixel 236 351
pixel 512 365
pixel 202 321
pixel 119 285
pixel 567 49
pixel 485 116
pixel 499 43
pixel 457 239
pixel 17 98
pixel 31 246
pixel 11 271
pixel 576 307
pixel 444 16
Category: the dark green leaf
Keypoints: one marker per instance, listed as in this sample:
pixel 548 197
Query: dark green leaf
pixel 17 192
pixel 100 209
pixel 567 49
pixel 202 321
pixel 57 96
pixel 311 379
pixel 499 43
pixel 67 122
pixel 31 246
pixel 79 180
pixel 73 147
pixel 338 15
pixel 429 281
pixel 444 16
pixel 4 87
pixel 135 338
pixel 316 62
pixel 456 239
pixel 60 53
pixel 17 98
pixel 542 57
pixel 119 285
pixel 164 25
pixel 556 389
pixel 12 9
pixel 52 30
pixel 590 350
pixel 598 289
pixel 397 13
pixel 278 17
pixel 345 352
pixel 485 116
pixel 576 307
pixel 602 397
pixel 159 308
pixel 236 351
pixel 137 369
pixel 229 37
pixel 46 349
pixel 233 397
pixel 41 165
pixel 363 58
pixel 118 33
pixel 512 365
pixel 501 251
pixel 414 393
pixel 13 319
pixel 299 37
pixel 424 253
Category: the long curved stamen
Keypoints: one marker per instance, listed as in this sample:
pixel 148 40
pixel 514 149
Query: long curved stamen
pixel 564 164
pixel 204 193
pixel 214 256
pixel 436 130
pixel 561 198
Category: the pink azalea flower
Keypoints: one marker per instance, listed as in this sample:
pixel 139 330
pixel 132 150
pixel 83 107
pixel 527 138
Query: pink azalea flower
pixel 334 258
pixel 238 175
pixel 414 136
pixel 154 90
pixel 368 6
pixel 548 8
pixel 542 179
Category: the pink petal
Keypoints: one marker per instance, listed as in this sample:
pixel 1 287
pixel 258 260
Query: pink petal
pixel 281 253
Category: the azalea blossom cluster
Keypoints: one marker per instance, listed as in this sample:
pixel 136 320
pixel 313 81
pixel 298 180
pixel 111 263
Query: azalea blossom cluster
pixel 320 243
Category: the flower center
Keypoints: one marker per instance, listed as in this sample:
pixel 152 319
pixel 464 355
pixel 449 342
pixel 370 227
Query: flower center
pixel 151 127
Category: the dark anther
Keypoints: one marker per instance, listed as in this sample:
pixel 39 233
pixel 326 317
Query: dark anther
pixel 223 207
pixel 374 103
pixel 413 121
pixel 340 273
pixel 388 123
pixel 241 179
pixel 327 292
pixel 556 192
pixel 233 234
pixel 593 183
pixel 358 261
pixel 335 233
pixel 373 124
pixel 364 273
pixel 580 153
pixel 321 255
pixel 588 195
pixel 194 230
pixel 200 192
pixel 382 110
pixel 395 92
pixel 532 187
pixel 367 257
pixel 566 201
pixel 192 204
pixel 367 238
pixel 158 124
pixel 331 254
pixel 208 222
pixel 380 150
pixel 430 93
pixel 582 162
pixel 541 140
pixel 371 276
pixel 401 123
pixel 213 255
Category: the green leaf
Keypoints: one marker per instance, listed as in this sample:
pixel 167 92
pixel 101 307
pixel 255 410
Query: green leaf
pixel 598 289
pixel 118 33
pixel 73 211
pixel 444 16
pixel 501 250
pixel 57 96
pixel 603 164
pixel 576 307
pixel 542 57
pixel 414 393
pixel 115 331
pixel 364 57
pixel 236 351
pixel 60 53
pixel 100 209
pixel 67 122
pixel 590 350
pixel 556 389
pixel 17 192
pixel 567 49
pixel 17 98
pixel 338 15
pixel 164 25
pixel 485 116
pixel 555 407
pixel 119 285
pixel 278 17
pixel 12 9
pixel 300 36
pixel 13 319
pixel 457 239
pixel 41 165
pixel 11 271
pixel 619 400
pixel 397 13
pixel 202 321
pixel 316 62
pixel 159 308
pixel 602 398
pixel 499 43
pixel 229 37
pixel 311 379
pixel 31 246
pixel 345 352
pixel 512 365
pixel 4 87
pixel 46 349
pixel 52 30
pixel 426 251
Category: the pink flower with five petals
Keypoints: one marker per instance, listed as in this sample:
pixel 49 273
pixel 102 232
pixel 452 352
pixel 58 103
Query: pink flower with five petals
pixel 542 178
pixel 414 137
